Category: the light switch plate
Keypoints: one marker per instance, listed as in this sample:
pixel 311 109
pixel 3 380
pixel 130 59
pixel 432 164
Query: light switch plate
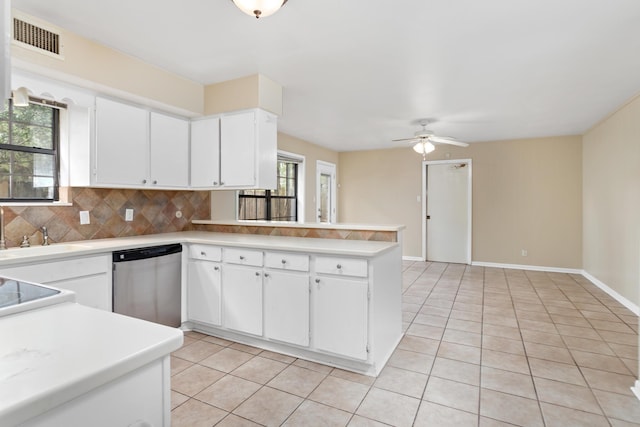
pixel 128 215
pixel 84 218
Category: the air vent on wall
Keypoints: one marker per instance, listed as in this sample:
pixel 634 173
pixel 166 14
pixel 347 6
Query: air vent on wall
pixel 36 37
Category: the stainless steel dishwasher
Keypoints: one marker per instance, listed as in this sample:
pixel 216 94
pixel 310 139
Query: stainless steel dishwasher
pixel 146 283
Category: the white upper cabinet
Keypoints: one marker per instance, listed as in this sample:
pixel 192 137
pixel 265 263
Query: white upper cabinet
pixel 169 151
pixel 235 151
pixel 122 144
pixel 140 149
pixel 5 51
pixel 238 150
pixel 205 153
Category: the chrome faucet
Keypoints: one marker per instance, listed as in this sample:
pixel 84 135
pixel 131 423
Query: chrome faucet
pixel 45 236
pixel 3 244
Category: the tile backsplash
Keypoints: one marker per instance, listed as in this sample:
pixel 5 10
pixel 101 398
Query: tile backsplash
pixel 154 212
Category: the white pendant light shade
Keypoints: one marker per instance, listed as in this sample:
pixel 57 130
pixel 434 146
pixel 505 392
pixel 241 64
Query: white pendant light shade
pixel 423 147
pixel 259 8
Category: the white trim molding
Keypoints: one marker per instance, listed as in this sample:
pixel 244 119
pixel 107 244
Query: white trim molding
pixel 527 267
pixel 412 258
pixel 613 294
pixel 634 308
pixel 636 389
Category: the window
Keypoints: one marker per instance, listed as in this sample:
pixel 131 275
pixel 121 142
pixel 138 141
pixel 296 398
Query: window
pixel 29 154
pixel 273 205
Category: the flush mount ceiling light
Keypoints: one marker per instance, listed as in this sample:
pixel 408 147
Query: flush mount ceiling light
pixel 259 8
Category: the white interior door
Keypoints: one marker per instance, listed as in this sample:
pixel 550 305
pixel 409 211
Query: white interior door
pixel 448 211
pixel 326 192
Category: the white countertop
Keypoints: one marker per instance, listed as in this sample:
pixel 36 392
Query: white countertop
pixel 318 225
pixel 54 354
pixel 293 244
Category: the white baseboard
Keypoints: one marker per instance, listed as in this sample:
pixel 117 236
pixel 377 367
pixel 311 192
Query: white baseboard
pixel 527 267
pixel 636 389
pixel 411 258
pixel 613 294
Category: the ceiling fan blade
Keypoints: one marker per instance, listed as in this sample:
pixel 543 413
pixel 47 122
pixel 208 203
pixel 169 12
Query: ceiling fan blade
pixel 406 139
pixel 450 141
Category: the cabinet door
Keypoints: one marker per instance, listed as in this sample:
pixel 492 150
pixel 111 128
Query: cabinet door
pixel 204 292
pixel 340 316
pixel 122 144
pixel 169 151
pixel 242 298
pixel 205 153
pixel 286 307
pixel 238 149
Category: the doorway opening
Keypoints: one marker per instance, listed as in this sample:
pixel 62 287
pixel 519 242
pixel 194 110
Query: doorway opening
pixel 326 192
pixel 446 211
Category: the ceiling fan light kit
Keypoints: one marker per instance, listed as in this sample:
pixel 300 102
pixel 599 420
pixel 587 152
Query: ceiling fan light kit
pixel 423 147
pixel 425 138
pixel 259 8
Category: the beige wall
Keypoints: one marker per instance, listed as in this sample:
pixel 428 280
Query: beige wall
pixel 223 202
pixel 611 156
pixel 89 64
pixel 242 93
pixel 527 194
pixel 380 187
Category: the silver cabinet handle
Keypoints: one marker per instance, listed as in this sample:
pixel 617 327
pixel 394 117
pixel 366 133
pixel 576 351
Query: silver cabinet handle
pixel 257 273
pixel 241 258
pixel 203 253
pixel 155 181
pixel 215 182
pixel 216 268
pixel 339 267
pixel 317 280
pixel 144 181
pixel 266 274
pixel 284 261
pixel 221 183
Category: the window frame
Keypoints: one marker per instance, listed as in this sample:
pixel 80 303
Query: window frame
pixel 54 151
pixel 270 195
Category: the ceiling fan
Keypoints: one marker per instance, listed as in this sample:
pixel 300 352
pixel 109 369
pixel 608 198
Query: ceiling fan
pixel 425 139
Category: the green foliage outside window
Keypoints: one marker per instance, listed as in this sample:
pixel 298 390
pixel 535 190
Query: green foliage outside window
pixel 29 153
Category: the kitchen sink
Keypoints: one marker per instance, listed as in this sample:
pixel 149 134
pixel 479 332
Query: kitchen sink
pixel 42 250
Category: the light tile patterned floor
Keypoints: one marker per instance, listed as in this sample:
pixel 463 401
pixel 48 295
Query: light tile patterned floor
pixel 483 347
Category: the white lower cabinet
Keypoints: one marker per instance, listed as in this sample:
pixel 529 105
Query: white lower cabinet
pixel 89 277
pixel 329 308
pixel 242 298
pixel 204 292
pixel 340 316
pixel 286 307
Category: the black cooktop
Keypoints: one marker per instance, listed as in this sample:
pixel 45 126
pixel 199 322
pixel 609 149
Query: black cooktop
pixel 13 292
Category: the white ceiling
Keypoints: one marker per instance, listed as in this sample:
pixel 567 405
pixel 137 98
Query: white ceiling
pixel 358 73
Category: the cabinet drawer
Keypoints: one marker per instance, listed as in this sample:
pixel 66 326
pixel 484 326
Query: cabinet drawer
pixel 242 256
pixel 286 261
pixel 341 266
pixel 205 252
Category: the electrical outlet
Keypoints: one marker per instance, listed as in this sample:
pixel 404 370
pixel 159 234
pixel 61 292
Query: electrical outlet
pixel 524 252
pixel 84 218
pixel 128 215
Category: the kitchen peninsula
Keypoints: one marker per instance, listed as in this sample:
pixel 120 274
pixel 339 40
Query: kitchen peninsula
pixel 333 301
